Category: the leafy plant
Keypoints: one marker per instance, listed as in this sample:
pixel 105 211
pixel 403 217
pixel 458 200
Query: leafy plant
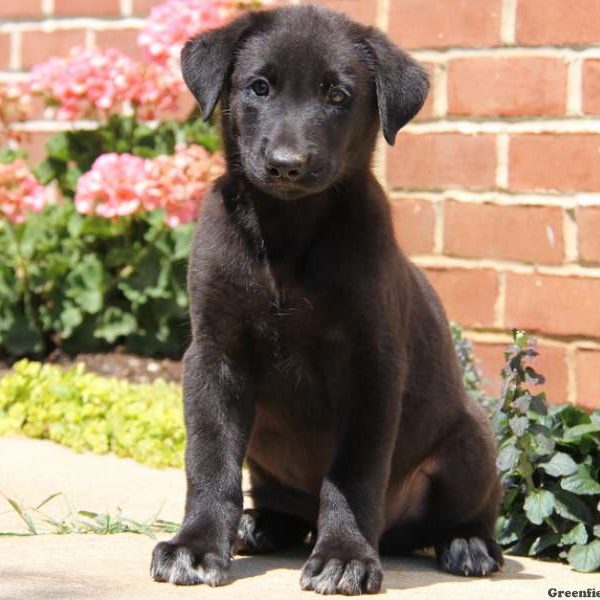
pixel 549 463
pixel 88 412
pixel 84 283
pixel 38 522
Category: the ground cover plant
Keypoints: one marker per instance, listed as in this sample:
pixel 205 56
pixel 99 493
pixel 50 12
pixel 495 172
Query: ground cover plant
pixel 87 412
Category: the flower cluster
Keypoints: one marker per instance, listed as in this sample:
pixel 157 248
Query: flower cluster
pixel 91 83
pixel 123 184
pixel 173 22
pixel 15 105
pixel 20 192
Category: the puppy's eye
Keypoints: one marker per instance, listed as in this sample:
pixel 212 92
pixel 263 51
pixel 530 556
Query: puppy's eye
pixel 337 95
pixel 260 87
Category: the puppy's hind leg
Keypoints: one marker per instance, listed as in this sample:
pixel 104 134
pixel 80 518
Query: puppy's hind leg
pixel 262 531
pixel 281 517
pixel 464 502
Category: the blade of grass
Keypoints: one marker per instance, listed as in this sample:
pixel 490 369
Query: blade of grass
pixel 23 515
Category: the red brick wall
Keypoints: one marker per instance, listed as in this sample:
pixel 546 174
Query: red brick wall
pixel 495 188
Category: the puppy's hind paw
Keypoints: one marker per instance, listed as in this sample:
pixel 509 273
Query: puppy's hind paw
pixel 472 557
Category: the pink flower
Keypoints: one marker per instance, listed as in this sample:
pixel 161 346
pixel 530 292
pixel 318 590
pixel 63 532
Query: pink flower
pixel 122 184
pixel 112 187
pixel 173 22
pixel 96 83
pixel 20 192
pixel 179 182
pixel 87 83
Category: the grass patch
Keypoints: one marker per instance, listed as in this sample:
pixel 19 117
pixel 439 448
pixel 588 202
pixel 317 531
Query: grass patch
pixel 38 522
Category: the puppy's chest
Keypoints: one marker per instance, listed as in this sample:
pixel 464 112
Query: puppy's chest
pixel 300 334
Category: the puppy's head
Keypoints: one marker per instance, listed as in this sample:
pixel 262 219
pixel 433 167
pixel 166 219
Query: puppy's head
pixel 302 92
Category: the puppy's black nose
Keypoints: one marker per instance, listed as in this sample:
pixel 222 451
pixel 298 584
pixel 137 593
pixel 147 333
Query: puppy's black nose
pixel 286 164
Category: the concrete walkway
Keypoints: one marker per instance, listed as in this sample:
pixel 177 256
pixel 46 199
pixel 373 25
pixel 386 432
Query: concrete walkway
pixel 115 567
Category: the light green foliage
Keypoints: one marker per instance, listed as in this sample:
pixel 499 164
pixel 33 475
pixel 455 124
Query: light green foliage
pixel 91 413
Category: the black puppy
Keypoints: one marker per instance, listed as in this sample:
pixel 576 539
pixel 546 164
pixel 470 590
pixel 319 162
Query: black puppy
pixel 320 354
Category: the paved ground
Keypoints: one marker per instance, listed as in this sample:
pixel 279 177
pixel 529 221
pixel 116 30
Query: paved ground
pixel 82 567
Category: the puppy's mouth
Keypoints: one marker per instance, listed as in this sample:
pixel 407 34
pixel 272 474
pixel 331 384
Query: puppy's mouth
pixel 315 181
pixel 287 190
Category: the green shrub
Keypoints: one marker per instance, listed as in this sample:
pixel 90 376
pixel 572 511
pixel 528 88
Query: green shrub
pixel 549 462
pixel 86 283
pixel 91 413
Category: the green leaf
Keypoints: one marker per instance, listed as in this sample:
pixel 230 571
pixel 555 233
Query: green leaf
pixel 543 542
pixel 114 323
pixel 575 433
pixel 581 482
pixel 70 318
pixel 586 557
pixel 539 505
pixel 508 458
pixel 560 464
pixel 519 425
pixel 577 535
pixel 58 147
pixel 571 507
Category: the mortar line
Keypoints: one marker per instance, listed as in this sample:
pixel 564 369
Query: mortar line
pixel 575 87
pixel 508 24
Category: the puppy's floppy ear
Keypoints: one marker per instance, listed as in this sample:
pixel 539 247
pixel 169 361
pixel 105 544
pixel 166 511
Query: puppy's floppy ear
pixel 206 61
pixel 401 84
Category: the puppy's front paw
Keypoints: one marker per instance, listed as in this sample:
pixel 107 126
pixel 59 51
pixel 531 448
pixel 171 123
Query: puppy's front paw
pixel 181 565
pixel 338 569
pixel 471 557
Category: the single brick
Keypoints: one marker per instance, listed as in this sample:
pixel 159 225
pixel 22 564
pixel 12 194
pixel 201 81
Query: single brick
pixel 591 86
pixel 4 50
pixel 562 162
pixel 433 24
pixel 553 304
pixel 588 383
pixel 39 46
pixel 433 161
pixel 76 8
pixel 359 10
pixel 551 363
pixel 468 295
pixel 414 224
pixel 588 230
pixel 514 86
pixel 143 7
pixel 531 234
pixel 545 22
pixel 11 9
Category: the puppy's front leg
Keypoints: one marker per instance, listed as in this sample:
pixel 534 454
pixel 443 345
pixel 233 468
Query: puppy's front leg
pixel 345 558
pixel 218 415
